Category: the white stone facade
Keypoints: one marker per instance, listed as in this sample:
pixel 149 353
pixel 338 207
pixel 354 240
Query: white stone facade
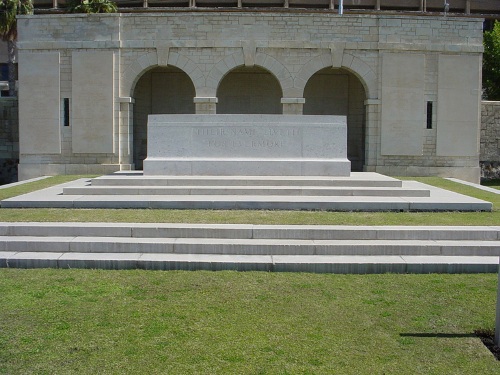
pixel 108 72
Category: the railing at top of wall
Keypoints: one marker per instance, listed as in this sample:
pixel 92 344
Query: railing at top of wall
pixel 464 7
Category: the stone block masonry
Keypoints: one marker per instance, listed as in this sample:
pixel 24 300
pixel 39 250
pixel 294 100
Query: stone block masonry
pixel 490 140
pixel 247 145
pixel 242 61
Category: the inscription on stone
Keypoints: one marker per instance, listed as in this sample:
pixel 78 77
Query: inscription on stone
pixel 250 138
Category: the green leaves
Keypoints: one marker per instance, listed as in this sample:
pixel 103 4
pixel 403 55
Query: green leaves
pixel 491 63
pixel 9 9
pixel 92 6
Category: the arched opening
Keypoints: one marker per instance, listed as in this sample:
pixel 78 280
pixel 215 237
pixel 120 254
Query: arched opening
pixel 249 90
pixel 159 90
pixel 339 92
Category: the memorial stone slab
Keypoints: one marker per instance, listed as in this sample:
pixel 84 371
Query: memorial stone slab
pixel 272 145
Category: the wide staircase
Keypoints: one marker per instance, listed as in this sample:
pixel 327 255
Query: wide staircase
pixel 359 192
pixel 292 248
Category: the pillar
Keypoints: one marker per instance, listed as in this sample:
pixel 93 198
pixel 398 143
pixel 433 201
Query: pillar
pixel 372 134
pixel 126 134
pixel 293 106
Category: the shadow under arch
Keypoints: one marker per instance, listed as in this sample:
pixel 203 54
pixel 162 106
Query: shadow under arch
pixel 159 90
pixel 353 64
pixel 337 91
pixel 249 90
pixel 237 60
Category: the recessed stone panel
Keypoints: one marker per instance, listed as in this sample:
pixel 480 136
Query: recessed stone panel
pixel 458 110
pixel 93 102
pixel 39 103
pixel 403 111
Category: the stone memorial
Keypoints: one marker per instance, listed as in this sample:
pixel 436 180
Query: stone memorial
pixel 248 145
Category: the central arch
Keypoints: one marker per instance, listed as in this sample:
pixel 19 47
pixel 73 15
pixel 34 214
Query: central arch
pixel 248 90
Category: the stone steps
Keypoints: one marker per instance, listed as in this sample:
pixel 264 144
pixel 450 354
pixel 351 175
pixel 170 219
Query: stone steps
pixel 136 178
pixel 246 190
pixel 343 249
pixel 250 231
pixel 247 246
pixel 359 192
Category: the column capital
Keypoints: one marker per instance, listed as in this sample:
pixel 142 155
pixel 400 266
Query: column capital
pixel 373 102
pixel 293 100
pixel 205 99
pixel 127 99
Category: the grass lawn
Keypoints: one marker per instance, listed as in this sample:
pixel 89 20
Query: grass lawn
pixel 55 321
pixel 257 217
pixel 147 322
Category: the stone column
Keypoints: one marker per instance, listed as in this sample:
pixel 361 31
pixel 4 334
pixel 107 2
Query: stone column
pixel 372 133
pixel 205 105
pixel 293 106
pixel 126 134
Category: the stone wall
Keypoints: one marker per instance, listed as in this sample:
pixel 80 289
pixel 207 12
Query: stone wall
pixel 291 46
pixel 9 140
pixel 490 140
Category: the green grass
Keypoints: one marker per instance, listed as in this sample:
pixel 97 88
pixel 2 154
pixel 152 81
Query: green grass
pixel 37 185
pixel 257 217
pixel 144 322
pixel 138 322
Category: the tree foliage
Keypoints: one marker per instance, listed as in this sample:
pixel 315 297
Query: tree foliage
pixel 491 63
pixel 92 6
pixel 9 9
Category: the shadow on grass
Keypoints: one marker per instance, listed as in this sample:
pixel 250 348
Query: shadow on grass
pixel 438 335
pixel 487 337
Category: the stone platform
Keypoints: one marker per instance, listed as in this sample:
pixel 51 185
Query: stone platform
pixel 243 247
pixel 359 192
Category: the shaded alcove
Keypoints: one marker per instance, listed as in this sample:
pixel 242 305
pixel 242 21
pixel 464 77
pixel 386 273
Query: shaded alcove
pixel 249 90
pixel 339 92
pixel 159 90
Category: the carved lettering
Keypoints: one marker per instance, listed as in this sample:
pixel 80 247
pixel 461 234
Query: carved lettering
pixel 248 138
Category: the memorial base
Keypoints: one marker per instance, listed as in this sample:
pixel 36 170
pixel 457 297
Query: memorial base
pixel 245 167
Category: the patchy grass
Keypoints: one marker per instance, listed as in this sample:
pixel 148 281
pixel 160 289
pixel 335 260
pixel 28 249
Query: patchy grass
pixel 93 321
pixel 261 216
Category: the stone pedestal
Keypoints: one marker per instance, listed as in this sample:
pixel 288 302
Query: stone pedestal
pixel 248 145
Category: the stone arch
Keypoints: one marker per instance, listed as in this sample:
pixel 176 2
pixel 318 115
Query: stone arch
pixel 237 59
pixel 249 90
pixel 340 92
pixel 358 67
pixel 135 71
pixel 159 90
